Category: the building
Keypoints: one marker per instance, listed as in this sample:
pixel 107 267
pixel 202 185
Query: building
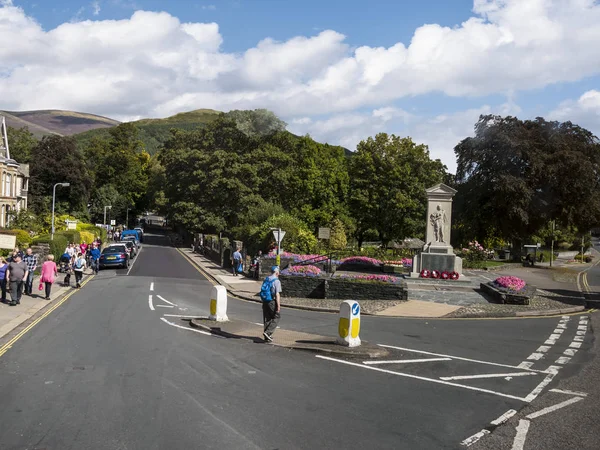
pixel 14 179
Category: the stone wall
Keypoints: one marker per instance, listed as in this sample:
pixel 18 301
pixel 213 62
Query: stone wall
pixel 325 287
pixel 506 297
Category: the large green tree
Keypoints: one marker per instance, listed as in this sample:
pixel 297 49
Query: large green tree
pixel 21 143
pixel 388 178
pixel 514 176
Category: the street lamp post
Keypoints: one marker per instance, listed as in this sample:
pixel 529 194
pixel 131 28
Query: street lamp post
pixel 127 218
pixel 109 207
pixel 53 203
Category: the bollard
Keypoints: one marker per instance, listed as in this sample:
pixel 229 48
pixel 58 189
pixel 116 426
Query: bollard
pixel 349 324
pixel 218 304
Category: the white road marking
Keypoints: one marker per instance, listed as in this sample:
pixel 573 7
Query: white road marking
pixel 578 338
pixel 563 360
pixel 558 331
pixel 472 439
pixel 536 391
pixel 543 348
pixel 402 361
pixel 186 328
pixel 522 430
pixel 564 391
pixel 152 286
pixel 575 345
pixel 580 333
pixel 458 357
pixel 164 306
pixel 553 408
pixel 488 375
pixel 561 325
pixel 166 301
pixel 150 302
pixel 570 352
pixel 416 377
pixel 180 316
pixel 536 356
pixel 525 365
pixel 504 417
pixel 582 327
pixel 550 341
pixel 134 261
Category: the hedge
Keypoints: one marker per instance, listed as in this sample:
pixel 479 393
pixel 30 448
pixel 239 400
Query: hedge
pixel 57 246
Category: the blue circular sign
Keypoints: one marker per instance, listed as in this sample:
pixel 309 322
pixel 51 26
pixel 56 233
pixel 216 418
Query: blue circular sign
pixel 355 309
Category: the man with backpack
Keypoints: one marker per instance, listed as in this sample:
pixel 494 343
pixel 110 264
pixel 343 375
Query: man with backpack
pixel 270 294
pixel 78 267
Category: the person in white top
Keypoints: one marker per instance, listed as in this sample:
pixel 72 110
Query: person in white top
pixel 78 267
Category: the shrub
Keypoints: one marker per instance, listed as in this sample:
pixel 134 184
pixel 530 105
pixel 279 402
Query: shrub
pixel 23 237
pixel 308 270
pixel 87 236
pixel 476 252
pixel 70 235
pixel 57 246
pixel 338 240
pixel 510 283
pixel 364 260
pixel 371 278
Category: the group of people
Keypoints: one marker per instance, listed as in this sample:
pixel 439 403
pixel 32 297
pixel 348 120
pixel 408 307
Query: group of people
pixel 77 257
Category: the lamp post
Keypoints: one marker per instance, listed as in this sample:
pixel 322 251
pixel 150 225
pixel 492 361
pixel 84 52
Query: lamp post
pixel 127 218
pixel 109 207
pixel 53 203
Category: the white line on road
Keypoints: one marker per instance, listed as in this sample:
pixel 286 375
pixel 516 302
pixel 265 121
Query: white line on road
pixel 525 365
pixel 186 328
pixel 166 301
pixel 575 345
pixel 564 391
pixel 553 408
pixel 181 316
pixel 533 394
pixel 543 348
pixel 152 286
pixel 504 417
pixel 164 306
pixel 402 361
pixel 134 261
pixel 582 327
pixel 535 356
pixel 150 302
pixel 416 377
pixel 459 357
pixel 472 439
pixel 563 360
pixel 522 430
pixel 570 352
pixel 488 375
pixel 580 332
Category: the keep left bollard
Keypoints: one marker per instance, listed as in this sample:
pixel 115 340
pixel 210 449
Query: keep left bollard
pixel 349 324
pixel 218 304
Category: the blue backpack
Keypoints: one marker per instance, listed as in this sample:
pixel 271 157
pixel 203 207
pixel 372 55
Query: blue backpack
pixel 265 290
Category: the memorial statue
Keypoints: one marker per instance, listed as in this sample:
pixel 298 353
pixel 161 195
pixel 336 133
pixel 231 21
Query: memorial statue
pixel 438 220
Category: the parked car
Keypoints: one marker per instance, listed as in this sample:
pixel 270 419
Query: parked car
pixel 128 233
pixel 131 247
pixel 133 239
pixel 140 232
pixel 115 255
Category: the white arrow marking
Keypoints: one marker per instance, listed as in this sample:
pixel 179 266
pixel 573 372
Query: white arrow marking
pixel 488 375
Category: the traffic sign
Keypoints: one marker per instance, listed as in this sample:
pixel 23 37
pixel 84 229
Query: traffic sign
pixel 278 236
pixel 355 309
pixel 324 233
pixel 113 222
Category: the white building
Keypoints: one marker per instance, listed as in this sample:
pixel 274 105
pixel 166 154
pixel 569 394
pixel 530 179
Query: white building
pixel 14 181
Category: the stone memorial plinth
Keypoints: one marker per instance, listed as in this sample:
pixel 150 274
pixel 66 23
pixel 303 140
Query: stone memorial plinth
pixel 437 252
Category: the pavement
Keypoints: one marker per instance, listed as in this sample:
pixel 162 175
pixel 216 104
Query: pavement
pixel 558 293
pixel 118 366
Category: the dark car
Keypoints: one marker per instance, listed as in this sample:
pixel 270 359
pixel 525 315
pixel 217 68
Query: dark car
pixel 114 256
pixel 131 247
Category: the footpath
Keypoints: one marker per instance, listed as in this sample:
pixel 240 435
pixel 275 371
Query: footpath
pixel 557 294
pixel 13 317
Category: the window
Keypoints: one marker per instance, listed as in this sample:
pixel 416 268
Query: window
pixel 8 185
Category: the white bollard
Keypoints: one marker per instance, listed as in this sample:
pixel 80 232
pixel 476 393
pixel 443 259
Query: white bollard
pixel 349 324
pixel 218 304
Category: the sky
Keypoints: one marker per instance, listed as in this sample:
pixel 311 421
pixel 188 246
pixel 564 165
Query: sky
pixel 339 70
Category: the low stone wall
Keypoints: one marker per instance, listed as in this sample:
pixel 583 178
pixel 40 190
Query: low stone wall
pixel 342 289
pixel 522 297
pixel 362 268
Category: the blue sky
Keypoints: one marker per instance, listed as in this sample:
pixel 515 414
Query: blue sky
pixel 338 70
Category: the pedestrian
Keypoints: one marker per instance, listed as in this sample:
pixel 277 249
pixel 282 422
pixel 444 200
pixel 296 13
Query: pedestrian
pixel 94 258
pixel 3 267
pixel 78 267
pixel 237 262
pixel 31 260
pixel 49 272
pixel 270 294
pixel 16 273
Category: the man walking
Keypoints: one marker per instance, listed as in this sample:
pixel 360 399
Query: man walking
pixel 270 294
pixel 31 260
pixel 78 267
pixel 16 273
pixel 237 261
pixel 95 258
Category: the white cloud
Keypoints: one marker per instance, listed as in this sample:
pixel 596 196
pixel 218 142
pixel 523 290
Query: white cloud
pixel 209 7
pixel 152 64
pixel 585 111
pixel 96 7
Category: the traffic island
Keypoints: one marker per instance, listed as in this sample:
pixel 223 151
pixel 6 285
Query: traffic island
pixel 240 329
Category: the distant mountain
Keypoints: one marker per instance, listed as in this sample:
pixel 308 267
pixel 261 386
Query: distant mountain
pixel 155 132
pixel 64 123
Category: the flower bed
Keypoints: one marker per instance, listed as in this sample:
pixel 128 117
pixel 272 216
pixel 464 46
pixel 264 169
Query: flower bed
pixel 509 290
pixel 371 278
pixel 510 283
pixel 308 270
pixel 436 275
pixel 404 262
pixel 364 260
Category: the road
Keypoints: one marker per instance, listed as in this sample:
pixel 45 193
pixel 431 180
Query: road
pixel 117 367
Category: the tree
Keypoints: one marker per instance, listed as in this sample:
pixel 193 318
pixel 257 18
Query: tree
pixel 337 240
pixel 260 122
pixel 55 159
pixel 388 178
pixel 515 176
pixel 20 143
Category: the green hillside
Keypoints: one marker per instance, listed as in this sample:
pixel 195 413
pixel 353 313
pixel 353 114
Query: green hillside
pixel 155 132
pixel 64 123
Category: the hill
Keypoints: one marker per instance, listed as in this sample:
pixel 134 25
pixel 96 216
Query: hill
pixel 155 132
pixel 65 123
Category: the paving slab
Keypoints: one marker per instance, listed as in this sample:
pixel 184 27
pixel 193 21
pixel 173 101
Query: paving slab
pixel 419 308
pixel 240 329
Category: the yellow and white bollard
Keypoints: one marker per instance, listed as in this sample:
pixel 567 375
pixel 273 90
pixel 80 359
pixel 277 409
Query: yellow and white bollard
pixel 349 324
pixel 218 304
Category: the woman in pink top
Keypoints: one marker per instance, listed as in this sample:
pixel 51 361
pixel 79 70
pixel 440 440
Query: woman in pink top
pixel 48 273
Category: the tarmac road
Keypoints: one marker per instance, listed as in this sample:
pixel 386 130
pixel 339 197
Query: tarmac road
pixel 113 368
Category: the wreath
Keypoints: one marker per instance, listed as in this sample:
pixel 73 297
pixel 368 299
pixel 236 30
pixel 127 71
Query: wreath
pixel 435 274
pixel 425 273
pixel 454 276
pixel 444 275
